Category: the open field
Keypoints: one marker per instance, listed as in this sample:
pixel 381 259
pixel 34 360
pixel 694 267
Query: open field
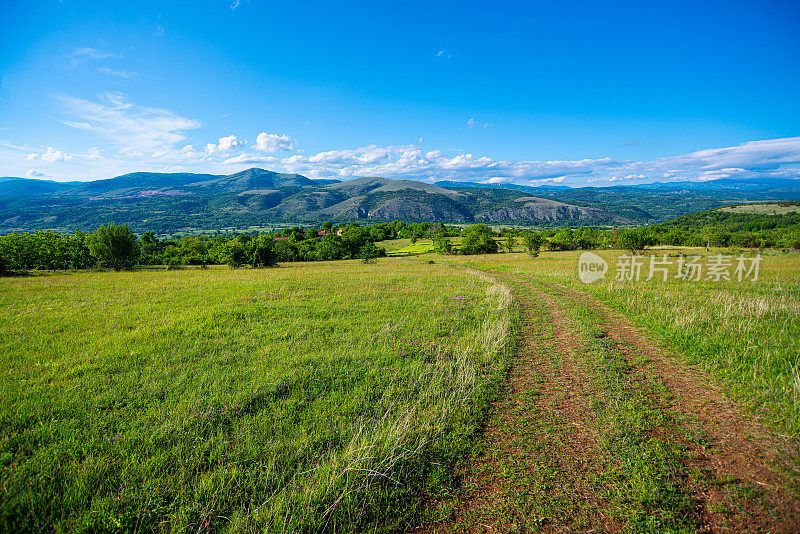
pixel 762 208
pixel 411 249
pixel 291 399
pixel 343 396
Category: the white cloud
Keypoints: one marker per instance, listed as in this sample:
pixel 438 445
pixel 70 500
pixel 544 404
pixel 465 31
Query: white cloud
pixel 117 73
pixel 152 139
pixel 225 145
pixel 362 156
pixel 408 161
pixel 229 142
pixel 51 155
pixel 767 153
pixel 250 159
pixel 273 142
pixel 776 157
pixel 472 123
pixel 32 173
pixel 146 129
pixel 87 53
pixel 444 54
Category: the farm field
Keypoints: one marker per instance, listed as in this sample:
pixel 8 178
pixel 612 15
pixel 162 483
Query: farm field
pixel 291 399
pixel 401 395
pixel 411 249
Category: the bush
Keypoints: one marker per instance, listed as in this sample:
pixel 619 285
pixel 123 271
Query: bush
pixel 635 239
pixel 368 253
pixel 442 244
pixel 533 243
pixel 478 239
pixel 235 254
pixel 114 246
pixel 261 252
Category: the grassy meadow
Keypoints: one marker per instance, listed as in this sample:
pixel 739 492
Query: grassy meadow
pixel 314 396
pixel 405 247
pixel 333 396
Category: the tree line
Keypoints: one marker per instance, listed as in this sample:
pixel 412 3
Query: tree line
pixel 117 247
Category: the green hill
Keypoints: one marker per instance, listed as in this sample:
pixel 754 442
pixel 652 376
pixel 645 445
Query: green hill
pixel 169 202
pixel 255 197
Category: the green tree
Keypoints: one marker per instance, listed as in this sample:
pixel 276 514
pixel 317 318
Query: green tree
pixel 563 239
pixel 115 246
pixel 510 243
pixel 261 252
pixel 533 242
pixel 234 253
pixel 369 252
pixel 635 239
pixel 330 248
pixel 478 239
pixel 442 244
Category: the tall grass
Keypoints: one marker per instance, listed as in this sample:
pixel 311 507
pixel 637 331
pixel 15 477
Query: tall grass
pixel 746 333
pixel 318 396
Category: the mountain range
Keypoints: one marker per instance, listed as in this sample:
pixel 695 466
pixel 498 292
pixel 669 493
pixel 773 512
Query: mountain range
pixel 168 202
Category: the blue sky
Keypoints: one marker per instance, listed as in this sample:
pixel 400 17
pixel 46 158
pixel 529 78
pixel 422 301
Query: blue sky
pixel 554 92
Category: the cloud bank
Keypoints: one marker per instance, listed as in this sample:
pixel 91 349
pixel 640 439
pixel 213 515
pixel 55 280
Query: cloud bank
pixel 155 139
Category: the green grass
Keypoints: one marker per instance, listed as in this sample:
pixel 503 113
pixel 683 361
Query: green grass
pixel 746 333
pixel 331 396
pixel 422 246
pixel 642 475
pixel 323 395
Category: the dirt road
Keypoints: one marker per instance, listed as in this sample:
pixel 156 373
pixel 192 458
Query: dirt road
pixel 600 429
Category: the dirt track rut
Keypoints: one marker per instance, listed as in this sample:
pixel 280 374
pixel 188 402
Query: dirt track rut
pixel 546 460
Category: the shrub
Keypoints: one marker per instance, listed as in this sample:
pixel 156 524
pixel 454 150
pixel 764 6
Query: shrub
pixel 261 252
pixel 114 246
pixel 368 253
pixel 478 239
pixel 635 239
pixel 235 254
pixel 442 244
pixel 533 243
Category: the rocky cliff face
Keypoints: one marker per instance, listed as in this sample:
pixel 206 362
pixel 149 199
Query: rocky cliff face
pixel 420 210
pixel 531 209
